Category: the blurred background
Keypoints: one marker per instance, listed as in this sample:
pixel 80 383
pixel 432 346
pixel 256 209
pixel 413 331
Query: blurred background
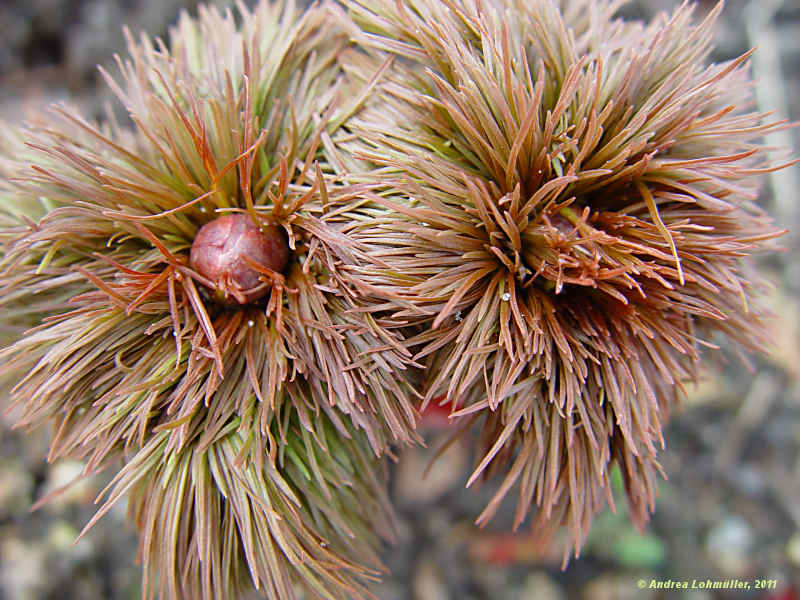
pixel 729 509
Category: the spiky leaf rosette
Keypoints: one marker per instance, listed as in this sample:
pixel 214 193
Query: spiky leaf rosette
pixel 135 349
pixel 577 199
pixel 307 509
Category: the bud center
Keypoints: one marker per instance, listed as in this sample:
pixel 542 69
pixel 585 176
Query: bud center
pixel 236 255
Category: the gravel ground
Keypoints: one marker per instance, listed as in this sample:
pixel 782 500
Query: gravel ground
pixel 730 508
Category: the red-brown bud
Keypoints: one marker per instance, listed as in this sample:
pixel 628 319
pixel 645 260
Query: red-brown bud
pixel 226 250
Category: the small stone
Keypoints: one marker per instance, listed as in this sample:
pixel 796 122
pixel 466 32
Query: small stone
pixel 540 586
pixel 698 595
pixel 429 583
pixel 16 486
pixel 62 537
pixel 793 549
pixel 22 565
pixel 784 334
pixel 729 544
pixel 637 550
pixel 490 579
pixel 388 590
pixel 438 522
pixel 709 389
pixel 87 585
pixel 414 486
pixel 67 476
pixel 618 587
pixel 750 480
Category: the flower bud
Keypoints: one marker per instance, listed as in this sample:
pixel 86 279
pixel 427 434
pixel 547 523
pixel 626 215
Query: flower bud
pixel 227 250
